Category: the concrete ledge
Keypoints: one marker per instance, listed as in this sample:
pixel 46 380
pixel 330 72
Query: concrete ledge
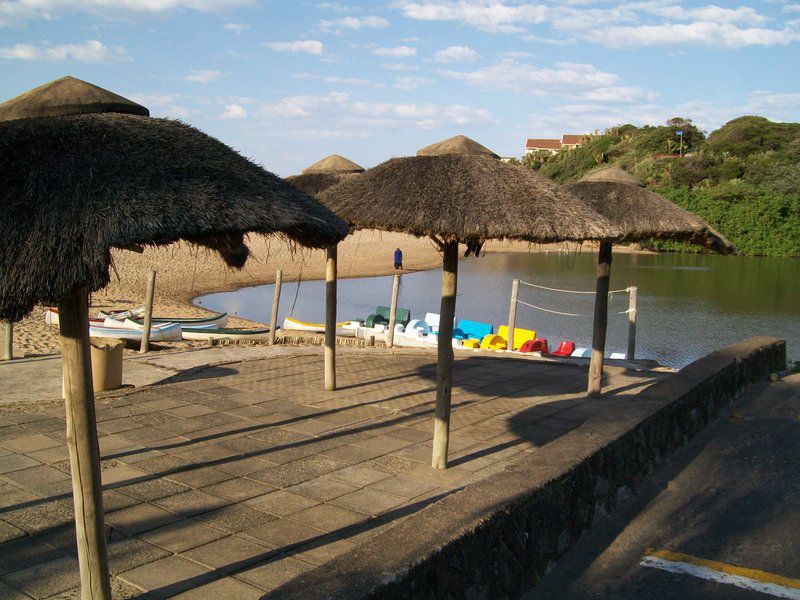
pixel 498 536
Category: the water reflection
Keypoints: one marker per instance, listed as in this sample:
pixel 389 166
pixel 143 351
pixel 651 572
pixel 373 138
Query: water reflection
pixel 688 304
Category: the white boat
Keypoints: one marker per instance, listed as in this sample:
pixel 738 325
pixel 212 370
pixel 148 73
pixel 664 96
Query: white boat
pixel 343 328
pixel 51 318
pixel 221 333
pixel 137 314
pixel 164 332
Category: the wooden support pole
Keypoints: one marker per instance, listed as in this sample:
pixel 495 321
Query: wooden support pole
pixel 148 312
pixel 84 453
pixel 512 313
pixel 8 340
pixel 330 320
pixel 632 293
pixel 393 311
pixel 600 319
pixel 444 365
pixel 273 320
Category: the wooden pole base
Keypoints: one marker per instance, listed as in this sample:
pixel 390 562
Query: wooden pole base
pixel 444 365
pixel 84 453
pixel 600 320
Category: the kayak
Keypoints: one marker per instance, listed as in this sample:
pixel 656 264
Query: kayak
pixel 137 314
pixel 343 328
pixel 222 333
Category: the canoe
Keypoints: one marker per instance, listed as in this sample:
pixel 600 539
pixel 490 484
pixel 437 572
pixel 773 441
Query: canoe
pixel 165 332
pixel 223 333
pixel 137 314
pixel 343 328
pixel 51 317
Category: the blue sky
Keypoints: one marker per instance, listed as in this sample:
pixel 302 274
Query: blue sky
pixel 287 83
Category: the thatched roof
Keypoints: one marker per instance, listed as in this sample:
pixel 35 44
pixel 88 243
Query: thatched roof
pixel 641 213
pixel 468 198
pixel 458 144
pixel 614 174
pixel 67 96
pixel 334 164
pixel 316 183
pixel 75 186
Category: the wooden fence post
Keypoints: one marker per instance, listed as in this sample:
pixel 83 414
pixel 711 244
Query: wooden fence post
pixel 512 314
pixel 393 311
pixel 632 293
pixel 148 312
pixel 600 319
pixel 273 321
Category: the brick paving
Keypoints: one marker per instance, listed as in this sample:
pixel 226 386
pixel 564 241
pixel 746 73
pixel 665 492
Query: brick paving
pixel 232 481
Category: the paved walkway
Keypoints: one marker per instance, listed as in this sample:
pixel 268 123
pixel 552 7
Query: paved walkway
pixel 228 481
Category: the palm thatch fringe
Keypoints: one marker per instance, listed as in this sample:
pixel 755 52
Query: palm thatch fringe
pixel 316 183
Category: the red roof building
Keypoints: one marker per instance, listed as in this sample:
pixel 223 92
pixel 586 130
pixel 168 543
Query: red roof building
pixel 539 145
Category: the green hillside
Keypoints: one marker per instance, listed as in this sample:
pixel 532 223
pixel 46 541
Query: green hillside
pixel 744 178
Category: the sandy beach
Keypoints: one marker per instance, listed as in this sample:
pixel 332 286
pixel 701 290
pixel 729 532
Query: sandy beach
pixel 185 272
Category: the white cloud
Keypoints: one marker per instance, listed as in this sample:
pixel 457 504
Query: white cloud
pixel 724 35
pixel 354 23
pixel 399 67
pixel 237 28
pixel 14 11
pixel 410 83
pixel 90 51
pixel 566 78
pixel 616 25
pixel 166 105
pixel 487 15
pixel 355 81
pixel 456 54
pixel 306 46
pixel 234 111
pixel 396 52
pixel 203 76
pixel 340 109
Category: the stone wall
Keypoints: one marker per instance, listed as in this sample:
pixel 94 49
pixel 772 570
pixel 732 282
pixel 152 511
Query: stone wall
pixel 497 537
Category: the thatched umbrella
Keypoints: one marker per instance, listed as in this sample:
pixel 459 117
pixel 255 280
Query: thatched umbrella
pixel 84 170
pixel 314 180
pixel 462 196
pixel 641 214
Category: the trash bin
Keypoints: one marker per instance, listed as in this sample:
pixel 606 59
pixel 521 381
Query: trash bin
pixel 106 363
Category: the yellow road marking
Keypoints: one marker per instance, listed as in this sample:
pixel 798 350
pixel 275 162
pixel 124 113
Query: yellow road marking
pixel 714 565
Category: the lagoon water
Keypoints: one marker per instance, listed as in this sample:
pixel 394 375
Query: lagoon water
pixel 688 305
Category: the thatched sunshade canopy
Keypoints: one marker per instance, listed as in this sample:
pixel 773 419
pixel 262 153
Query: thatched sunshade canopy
pixel 325 173
pixel 83 170
pixel 77 185
pixel 641 215
pixel 466 198
pixel 457 191
pixel 458 144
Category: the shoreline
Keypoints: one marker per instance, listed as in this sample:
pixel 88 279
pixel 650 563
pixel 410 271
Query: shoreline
pixel 185 273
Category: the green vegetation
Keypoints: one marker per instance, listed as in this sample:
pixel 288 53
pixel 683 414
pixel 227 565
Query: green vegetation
pixel 744 179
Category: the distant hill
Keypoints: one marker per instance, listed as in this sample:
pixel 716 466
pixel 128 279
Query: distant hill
pixel 744 178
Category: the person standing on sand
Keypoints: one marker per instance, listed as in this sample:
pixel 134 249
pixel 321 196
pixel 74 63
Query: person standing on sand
pixel 398 259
